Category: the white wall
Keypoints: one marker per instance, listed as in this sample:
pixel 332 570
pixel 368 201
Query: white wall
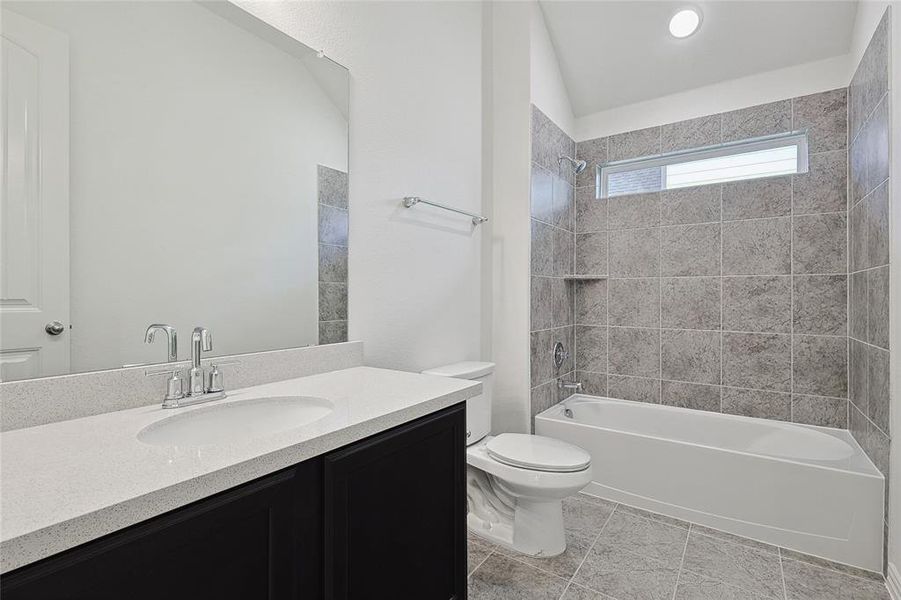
pixel 416 124
pixel 521 69
pixel 775 85
pixel 548 91
pixel 509 154
pixel 193 156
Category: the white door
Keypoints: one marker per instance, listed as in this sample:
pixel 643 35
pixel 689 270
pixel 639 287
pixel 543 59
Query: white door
pixel 34 207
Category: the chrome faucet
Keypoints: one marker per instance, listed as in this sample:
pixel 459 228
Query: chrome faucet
pixel 202 387
pixel 171 339
pixel 201 341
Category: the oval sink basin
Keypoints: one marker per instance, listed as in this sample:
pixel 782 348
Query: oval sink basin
pixel 225 423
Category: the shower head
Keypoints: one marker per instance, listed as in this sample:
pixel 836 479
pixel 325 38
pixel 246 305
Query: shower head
pixel 577 165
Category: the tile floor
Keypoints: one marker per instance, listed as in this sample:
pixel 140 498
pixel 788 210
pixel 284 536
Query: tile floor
pixel 615 552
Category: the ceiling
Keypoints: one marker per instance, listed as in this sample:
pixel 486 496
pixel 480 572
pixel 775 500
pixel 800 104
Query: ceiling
pixel 617 53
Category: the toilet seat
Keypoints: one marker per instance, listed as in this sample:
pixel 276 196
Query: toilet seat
pixel 537 453
pixel 543 482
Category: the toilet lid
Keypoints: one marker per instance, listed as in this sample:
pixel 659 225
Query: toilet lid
pixel 537 453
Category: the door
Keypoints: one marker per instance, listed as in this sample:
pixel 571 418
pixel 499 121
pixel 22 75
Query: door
pixel 34 206
pixel 394 513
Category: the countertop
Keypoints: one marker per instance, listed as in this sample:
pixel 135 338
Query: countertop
pixel 66 483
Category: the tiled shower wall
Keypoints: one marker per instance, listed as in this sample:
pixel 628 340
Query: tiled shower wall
pixel 868 244
pixel 729 298
pixel 333 225
pixel 552 257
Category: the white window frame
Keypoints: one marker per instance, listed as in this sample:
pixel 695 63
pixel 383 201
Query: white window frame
pixel 797 138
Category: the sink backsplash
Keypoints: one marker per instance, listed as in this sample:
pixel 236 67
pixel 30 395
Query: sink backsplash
pixel 51 399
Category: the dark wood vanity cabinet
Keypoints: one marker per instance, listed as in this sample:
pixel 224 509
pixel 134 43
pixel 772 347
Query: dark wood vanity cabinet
pixel 395 511
pixel 381 518
pixel 237 544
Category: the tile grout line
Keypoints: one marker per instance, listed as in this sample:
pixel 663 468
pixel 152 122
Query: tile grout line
pixel 782 573
pixel 866 119
pixel 591 547
pixel 865 259
pixel 791 253
pixel 725 276
pixel 682 561
pixel 516 558
pixel 739 332
pixel 848 206
pixel 660 293
pixel 659 282
pixel 482 562
pixel 607 287
pixel 722 296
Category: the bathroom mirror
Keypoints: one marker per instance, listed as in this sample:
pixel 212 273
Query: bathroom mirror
pixel 166 162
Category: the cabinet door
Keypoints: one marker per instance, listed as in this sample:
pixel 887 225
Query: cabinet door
pixel 238 544
pixel 394 513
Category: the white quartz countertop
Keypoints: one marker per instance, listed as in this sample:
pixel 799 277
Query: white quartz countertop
pixel 66 483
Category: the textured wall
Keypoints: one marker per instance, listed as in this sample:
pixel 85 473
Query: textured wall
pixel 728 297
pixel 868 246
pixel 553 255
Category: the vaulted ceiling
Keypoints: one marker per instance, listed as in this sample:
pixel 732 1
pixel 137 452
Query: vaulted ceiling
pixel 617 53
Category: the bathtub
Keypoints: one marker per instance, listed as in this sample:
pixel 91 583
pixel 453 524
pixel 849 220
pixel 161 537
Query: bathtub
pixel 810 489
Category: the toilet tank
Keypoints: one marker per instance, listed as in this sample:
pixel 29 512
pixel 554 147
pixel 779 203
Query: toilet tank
pixel 478 409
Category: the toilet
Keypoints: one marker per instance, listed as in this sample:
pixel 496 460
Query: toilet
pixel 515 482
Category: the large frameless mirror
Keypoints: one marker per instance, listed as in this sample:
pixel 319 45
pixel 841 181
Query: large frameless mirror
pixel 179 163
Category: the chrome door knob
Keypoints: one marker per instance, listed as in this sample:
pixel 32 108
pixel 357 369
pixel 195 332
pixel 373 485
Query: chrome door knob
pixel 54 328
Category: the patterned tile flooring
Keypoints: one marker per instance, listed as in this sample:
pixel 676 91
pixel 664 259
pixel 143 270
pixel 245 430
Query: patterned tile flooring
pixel 615 552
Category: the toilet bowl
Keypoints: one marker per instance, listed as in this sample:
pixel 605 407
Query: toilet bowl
pixel 515 482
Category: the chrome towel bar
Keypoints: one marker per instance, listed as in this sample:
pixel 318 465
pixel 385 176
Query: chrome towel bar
pixel 411 201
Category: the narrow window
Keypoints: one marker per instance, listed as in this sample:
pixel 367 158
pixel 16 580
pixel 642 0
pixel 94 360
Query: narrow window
pixel 748 159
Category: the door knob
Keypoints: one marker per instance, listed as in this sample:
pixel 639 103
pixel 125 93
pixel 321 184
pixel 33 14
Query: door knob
pixel 54 328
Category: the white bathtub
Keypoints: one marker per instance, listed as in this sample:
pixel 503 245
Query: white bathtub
pixel 810 489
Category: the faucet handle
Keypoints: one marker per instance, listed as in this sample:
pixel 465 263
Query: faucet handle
pixel 175 389
pixel 214 378
pixel 222 363
pixel 155 373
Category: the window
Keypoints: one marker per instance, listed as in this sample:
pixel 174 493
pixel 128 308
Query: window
pixel 749 159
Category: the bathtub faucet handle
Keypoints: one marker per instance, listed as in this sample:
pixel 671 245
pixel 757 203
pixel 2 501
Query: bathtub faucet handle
pixel 560 355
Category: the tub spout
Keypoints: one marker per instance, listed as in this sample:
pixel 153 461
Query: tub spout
pixel 575 386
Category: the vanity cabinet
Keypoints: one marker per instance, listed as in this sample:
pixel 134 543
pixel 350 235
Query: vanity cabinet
pixel 237 544
pixel 395 512
pixel 381 518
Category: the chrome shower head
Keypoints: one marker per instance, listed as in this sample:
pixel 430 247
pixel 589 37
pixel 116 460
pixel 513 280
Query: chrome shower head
pixel 577 165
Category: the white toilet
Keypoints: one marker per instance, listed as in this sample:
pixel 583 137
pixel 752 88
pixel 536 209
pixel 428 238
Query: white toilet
pixel 515 482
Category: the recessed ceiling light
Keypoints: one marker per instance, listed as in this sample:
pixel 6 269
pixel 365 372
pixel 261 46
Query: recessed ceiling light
pixel 684 23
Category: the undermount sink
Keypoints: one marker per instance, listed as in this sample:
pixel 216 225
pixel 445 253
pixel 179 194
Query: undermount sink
pixel 225 423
